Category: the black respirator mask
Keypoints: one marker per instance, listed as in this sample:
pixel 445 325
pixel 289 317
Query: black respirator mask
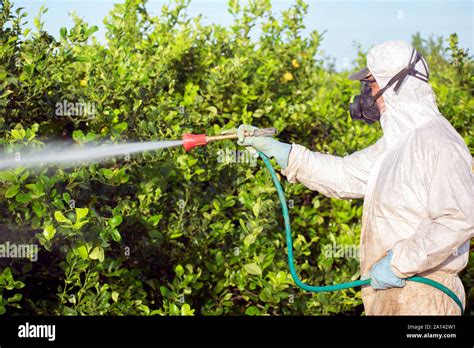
pixel 364 106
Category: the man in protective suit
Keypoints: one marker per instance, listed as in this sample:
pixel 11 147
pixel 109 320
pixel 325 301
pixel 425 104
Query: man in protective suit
pixel 416 181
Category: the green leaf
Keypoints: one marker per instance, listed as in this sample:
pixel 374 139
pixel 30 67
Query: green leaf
pixel 63 33
pixel 219 258
pixel 252 310
pixel 69 311
pixel 49 232
pixel 24 176
pixel 37 23
pixel 253 268
pixel 174 309
pixel 7 276
pixel 212 109
pixel 216 205
pixel 78 136
pixel 66 197
pixel 78 224
pixel 155 219
pixel 256 208
pixel 108 173
pixel 15 298
pixel 7 176
pixel 165 292
pixel 249 240
pixel 90 136
pixel 19 284
pixel 155 234
pixel 82 252
pixel 186 310
pixel 115 221
pixel 82 59
pixel 265 295
pixel 179 270
pixel 36 188
pixel 61 218
pixel 121 127
pixel 116 235
pixel 81 213
pixel 18 134
pixel 38 208
pixel 12 191
pixel 23 198
pixel 115 296
pixel 176 235
pixel 97 254
pixel 91 30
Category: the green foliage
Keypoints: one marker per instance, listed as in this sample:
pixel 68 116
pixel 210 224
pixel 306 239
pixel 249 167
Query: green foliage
pixel 169 233
pixel 8 284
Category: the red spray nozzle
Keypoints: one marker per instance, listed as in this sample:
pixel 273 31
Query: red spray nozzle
pixel 192 140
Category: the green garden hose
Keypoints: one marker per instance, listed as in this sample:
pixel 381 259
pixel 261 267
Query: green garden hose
pixel 291 261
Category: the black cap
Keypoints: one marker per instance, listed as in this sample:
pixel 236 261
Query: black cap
pixel 360 75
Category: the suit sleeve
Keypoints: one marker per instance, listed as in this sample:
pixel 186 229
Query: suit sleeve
pixel 333 176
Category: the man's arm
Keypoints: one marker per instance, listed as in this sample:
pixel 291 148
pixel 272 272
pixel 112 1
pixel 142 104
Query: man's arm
pixel 333 176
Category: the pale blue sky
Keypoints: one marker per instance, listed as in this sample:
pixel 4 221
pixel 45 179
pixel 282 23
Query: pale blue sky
pixel 367 22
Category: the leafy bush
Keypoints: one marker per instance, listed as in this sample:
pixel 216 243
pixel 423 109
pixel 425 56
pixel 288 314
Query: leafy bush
pixel 166 232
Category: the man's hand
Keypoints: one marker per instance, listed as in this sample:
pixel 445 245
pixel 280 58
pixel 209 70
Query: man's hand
pixel 269 146
pixel 382 276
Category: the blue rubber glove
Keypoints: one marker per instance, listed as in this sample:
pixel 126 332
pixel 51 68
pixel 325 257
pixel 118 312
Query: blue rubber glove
pixel 382 276
pixel 269 146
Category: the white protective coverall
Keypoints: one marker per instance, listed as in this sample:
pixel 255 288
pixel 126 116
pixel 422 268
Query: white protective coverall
pixel 418 191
